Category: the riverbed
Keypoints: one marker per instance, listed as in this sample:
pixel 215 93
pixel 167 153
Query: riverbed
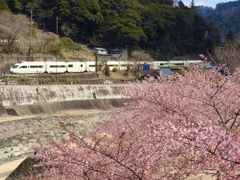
pixel 18 135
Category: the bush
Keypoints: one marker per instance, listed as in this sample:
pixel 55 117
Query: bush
pixel 68 44
pixel 76 81
pixel 62 80
pixel 22 80
pixel 41 80
pixel 107 70
pixel 47 80
pixel 68 80
pixel 114 70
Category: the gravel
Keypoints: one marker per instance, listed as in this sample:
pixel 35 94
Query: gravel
pixel 17 137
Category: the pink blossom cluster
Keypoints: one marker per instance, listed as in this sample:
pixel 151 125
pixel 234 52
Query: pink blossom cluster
pixel 203 57
pixel 177 126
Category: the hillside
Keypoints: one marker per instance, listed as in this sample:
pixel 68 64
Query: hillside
pixel 162 28
pixel 226 16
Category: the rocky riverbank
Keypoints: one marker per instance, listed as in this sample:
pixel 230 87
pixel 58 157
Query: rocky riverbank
pixel 17 137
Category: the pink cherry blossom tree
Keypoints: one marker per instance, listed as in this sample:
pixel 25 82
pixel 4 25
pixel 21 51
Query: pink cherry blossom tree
pixel 176 126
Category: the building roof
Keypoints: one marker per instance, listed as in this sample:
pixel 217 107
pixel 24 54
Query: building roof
pixel 100 49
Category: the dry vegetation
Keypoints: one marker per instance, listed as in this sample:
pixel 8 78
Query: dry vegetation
pixel 83 55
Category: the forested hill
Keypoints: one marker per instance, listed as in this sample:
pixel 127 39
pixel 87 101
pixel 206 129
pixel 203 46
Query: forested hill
pixel 156 25
pixel 226 16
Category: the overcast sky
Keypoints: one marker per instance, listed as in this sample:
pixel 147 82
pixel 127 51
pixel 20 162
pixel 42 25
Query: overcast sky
pixel 211 3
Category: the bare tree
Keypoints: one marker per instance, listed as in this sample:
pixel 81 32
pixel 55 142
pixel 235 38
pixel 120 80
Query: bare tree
pixel 12 26
pixel 139 57
pixel 45 41
pixel 228 54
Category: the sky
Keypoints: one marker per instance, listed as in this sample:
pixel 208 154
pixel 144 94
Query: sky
pixel 211 3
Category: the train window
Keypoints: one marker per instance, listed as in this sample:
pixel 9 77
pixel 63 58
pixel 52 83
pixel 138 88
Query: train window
pixel 53 66
pixel 126 65
pixel 14 66
pixel 92 65
pixel 57 66
pixel 36 66
pixel 23 67
pixel 71 65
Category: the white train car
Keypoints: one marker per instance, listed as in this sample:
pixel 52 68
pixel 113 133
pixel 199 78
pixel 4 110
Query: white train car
pixel 28 68
pixel 124 65
pixel 113 65
pixel 178 63
pixel 184 63
pixel 155 65
pixel 56 67
pixel 75 67
pixel 90 66
pixel 188 63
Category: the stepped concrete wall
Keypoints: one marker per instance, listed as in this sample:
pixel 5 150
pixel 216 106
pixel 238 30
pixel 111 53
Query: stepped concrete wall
pixel 34 99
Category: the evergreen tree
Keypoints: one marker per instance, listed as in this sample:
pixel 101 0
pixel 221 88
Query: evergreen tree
pixel 181 4
pixel 142 24
pixel 4 6
pixel 230 35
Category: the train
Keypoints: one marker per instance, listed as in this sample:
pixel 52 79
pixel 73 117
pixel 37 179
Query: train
pixel 52 67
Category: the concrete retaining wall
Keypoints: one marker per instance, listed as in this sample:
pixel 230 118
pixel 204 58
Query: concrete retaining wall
pixel 26 99
pixel 49 108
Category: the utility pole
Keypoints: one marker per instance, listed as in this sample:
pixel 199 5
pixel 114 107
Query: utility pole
pixel 73 50
pixel 56 71
pixel 157 54
pixel 57 18
pixel 32 21
pixel 126 52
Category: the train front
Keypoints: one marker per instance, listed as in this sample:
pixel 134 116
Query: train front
pixel 13 68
